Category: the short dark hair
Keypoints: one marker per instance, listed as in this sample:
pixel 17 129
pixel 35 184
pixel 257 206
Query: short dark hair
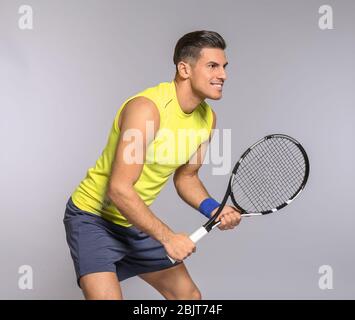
pixel 191 44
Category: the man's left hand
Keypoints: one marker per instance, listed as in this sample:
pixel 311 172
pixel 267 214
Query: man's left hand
pixel 229 216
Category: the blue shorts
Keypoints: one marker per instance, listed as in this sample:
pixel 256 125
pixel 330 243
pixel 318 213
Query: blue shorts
pixel 98 245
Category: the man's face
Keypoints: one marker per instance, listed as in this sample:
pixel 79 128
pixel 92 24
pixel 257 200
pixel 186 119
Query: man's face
pixel 208 73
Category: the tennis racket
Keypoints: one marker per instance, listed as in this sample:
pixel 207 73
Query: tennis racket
pixel 268 176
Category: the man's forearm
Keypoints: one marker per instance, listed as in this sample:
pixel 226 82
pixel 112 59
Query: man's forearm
pixel 138 213
pixel 191 190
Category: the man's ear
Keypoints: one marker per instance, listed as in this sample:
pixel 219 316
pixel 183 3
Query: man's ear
pixel 184 69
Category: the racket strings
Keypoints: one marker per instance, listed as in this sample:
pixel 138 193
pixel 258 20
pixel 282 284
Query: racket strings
pixel 296 175
pixel 270 174
pixel 271 188
pixel 258 196
pixel 267 190
pixel 288 156
pixel 250 192
pixel 278 182
pixel 283 170
pixel 284 165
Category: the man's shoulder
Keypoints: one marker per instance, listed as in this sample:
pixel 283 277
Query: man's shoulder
pixel 160 94
pixel 158 88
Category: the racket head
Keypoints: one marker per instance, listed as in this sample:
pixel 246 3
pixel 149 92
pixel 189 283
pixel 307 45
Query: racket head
pixel 269 175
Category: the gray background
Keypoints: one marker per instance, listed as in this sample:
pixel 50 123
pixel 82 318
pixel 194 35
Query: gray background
pixel 62 82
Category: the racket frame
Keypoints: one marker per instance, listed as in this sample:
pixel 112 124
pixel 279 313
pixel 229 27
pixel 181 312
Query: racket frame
pixel 212 223
pixel 209 225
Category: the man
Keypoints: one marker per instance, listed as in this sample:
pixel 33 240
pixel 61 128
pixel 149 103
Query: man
pixel 111 231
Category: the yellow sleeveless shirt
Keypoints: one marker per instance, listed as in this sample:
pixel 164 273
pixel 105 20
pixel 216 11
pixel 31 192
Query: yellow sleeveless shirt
pixel 177 139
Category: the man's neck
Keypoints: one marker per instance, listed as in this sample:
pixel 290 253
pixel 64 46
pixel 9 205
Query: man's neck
pixel 187 100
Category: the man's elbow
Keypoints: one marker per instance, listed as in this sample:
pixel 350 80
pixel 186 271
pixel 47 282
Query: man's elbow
pixel 113 193
pixel 182 179
pixel 177 179
pixel 118 191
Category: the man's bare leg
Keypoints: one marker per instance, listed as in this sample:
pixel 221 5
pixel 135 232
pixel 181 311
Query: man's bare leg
pixel 173 283
pixel 101 286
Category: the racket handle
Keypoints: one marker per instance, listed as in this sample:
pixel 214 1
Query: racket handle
pixel 171 260
pixel 196 236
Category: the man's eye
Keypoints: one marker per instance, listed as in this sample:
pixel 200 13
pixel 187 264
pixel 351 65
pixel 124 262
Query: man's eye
pixel 212 66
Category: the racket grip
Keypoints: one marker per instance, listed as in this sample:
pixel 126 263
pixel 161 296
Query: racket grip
pixel 171 260
pixel 196 236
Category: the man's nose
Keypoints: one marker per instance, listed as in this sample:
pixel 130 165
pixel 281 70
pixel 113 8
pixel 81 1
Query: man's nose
pixel 223 75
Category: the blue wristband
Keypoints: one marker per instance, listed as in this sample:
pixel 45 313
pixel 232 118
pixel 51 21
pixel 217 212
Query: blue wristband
pixel 207 206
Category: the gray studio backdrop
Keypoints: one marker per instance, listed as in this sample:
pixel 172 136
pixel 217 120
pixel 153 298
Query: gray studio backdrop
pixel 62 82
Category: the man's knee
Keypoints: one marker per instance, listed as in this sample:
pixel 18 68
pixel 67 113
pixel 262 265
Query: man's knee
pixel 196 295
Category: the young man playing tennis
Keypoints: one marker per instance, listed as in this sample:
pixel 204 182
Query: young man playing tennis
pixel 111 231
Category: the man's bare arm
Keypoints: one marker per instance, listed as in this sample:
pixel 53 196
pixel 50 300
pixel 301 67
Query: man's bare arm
pixel 187 182
pixel 191 189
pixel 125 174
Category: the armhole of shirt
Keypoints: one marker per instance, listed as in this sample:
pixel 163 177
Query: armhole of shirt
pixel 210 116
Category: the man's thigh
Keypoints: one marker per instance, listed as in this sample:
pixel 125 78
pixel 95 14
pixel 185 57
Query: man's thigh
pixel 174 283
pixel 101 286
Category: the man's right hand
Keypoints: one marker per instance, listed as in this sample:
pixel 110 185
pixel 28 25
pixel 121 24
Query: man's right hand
pixel 179 246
